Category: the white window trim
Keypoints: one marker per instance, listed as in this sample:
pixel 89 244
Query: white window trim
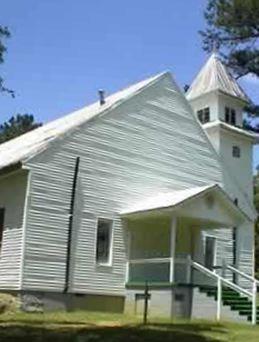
pixel 203 111
pixel 109 263
pixel 238 151
pixel 215 249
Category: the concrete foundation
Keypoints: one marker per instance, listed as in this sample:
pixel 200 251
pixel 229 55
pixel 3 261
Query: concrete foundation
pixel 180 301
pixel 167 302
pixel 50 301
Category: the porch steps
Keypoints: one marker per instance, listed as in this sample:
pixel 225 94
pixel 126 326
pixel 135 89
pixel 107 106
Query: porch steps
pixel 232 299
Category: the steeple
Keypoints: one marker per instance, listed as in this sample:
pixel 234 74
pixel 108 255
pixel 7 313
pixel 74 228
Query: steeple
pixel 218 102
pixel 214 76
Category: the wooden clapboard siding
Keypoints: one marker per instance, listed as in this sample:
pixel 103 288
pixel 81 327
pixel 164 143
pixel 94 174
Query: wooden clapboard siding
pixel 150 143
pixel 246 251
pixel 12 198
pixel 224 248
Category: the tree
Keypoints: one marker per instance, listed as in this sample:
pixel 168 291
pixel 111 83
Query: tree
pixel 4 33
pixel 17 125
pixel 233 28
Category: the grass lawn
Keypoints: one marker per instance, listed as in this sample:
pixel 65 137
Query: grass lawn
pixel 95 327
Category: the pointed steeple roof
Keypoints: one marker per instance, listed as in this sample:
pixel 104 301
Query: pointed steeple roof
pixel 215 76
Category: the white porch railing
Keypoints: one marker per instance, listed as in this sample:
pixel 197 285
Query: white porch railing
pixel 222 281
pixel 174 269
pixel 139 270
pixel 254 283
pixel 179 270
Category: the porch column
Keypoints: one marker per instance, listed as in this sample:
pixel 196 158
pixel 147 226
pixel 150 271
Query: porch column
pixel 172 247
pixel 128 251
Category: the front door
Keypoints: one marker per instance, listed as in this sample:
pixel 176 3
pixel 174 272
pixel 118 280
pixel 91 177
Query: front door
pixel 210 250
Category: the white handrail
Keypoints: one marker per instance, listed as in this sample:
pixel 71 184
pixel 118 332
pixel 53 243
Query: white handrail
pixel 169 260
pixel 236 287
pixel 255 282
pixel 203 269
pixel 219 279
pixel 149 261
pixel 157 260
pixel 224 281
pixel 243 274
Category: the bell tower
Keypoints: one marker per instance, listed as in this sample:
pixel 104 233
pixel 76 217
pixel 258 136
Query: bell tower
pixel 218 102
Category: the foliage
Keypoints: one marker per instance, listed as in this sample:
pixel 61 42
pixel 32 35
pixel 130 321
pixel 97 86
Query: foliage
pixel 8 303
pixel 17 125
pixel 251 125
pixel 233 28
pixel 4 33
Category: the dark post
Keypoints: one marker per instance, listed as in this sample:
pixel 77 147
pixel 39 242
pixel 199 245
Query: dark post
pixel 146 298
pixel 70 224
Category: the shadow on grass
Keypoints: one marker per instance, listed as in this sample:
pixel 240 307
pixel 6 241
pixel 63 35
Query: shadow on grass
pixel 153 333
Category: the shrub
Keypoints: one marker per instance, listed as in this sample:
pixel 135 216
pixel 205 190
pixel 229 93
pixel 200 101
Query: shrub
pixel 8 303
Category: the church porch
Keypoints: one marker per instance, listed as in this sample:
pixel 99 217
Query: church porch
pixel 165 235
pixel 168 252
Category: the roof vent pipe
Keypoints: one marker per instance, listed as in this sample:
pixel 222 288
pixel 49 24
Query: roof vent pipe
pixel 101 93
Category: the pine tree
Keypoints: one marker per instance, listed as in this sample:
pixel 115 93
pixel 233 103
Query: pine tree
pixel 17 125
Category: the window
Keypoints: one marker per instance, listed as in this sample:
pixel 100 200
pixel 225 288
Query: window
pixel 200 115
pixel 236 153
pixel 103 242
pixel 204 115
pixel 227 115
pixel 233 117
pixel 230 116
pixel 1 225
pixel 210 252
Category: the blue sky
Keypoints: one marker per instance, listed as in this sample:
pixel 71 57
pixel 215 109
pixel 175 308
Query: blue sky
pixel 61 52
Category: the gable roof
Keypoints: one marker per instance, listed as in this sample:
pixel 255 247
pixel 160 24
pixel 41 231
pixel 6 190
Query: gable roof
pixel 164 200
pixel 172 200
pixel 31 143
pixel 215 76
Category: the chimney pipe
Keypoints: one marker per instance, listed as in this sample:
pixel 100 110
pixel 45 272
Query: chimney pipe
pixel 101 96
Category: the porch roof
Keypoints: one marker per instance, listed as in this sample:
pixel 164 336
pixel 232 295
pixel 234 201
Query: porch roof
pixel 171 201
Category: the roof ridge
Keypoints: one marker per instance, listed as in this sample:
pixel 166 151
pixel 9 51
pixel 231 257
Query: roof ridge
pixel 32 142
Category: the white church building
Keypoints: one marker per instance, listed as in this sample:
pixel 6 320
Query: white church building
pixel 147 186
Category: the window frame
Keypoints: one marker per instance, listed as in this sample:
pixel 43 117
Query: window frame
pixel 214 252
pixel 227 114
pixel 206 114
pixel 203 115
pixel 109 261
pixel 200 115
pixel 230 116
pixel 236 151
pixel 233 117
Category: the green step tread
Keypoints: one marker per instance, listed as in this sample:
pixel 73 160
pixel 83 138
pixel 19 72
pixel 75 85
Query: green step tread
pixel 232 299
